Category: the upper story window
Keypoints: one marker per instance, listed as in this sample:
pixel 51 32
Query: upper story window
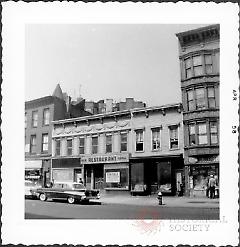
pixel 95 144
pixel 34 118
pixel 108 143
pixel 139 140
pixel 33 144
pixel 190 100
pixel 208 63
pixel 198 65
pixel 173 131
pixel 46 116
pixel 156 139
pixel 123 137
pixel 44 142
pixel 213 132
pixel 25 123
pixel 69 146
pixel 81 145
pixel 58 147
pixel 211 97
pixel 192 135
pixel 200 99
pixel 202 133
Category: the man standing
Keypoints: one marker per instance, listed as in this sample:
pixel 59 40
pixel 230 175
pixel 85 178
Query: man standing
pixel 212 184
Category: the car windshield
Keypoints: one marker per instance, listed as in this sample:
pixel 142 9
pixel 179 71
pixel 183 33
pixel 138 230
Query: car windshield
pixel 29 183
pixel 78 186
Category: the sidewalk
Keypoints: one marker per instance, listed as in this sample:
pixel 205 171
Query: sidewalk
pixel 168 201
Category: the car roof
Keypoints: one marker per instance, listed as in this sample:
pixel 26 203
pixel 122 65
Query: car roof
pixel 58 182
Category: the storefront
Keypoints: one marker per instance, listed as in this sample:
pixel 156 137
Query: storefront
pixel 199 174
pixel 33 171
pixel 150 175
pixel 67 170
pixel 109 172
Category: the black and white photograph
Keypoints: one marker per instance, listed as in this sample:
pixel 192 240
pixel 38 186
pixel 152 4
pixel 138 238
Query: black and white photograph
pixel 121 127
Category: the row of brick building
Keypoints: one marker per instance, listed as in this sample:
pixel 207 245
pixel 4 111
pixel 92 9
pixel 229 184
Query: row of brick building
pixel 133 148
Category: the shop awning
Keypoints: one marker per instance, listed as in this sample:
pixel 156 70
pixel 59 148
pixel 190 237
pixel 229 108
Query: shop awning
pixel 33 164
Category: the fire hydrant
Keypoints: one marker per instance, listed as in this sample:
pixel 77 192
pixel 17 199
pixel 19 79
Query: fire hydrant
pixel 159 197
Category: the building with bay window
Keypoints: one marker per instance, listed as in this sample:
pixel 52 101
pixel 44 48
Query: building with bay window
pixel 38 134
pixel 136 150
pixel 199 54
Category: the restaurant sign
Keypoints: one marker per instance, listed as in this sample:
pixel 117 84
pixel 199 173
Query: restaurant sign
pixel 114 158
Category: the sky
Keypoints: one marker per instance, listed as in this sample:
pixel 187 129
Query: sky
pixel 102 61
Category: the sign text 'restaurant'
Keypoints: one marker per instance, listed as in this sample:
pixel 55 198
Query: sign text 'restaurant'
pixel 116 158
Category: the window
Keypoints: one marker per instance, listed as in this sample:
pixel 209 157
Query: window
pixel 188 67
pixel 33 144
pixel 81 145
pixel 190 100
pixel 58 147
pixel 213 133
pixel 25 123
pixel 211 97
pixel 202 133
pixel 46 116
pixel 108 143
pixel 197 65
pixel 192 135
pixel 45 143
pixel 139 140
pixel 95 144
pixel 34 118
pixel 173 130
pixel 208 63
pixel 156 139
pixel 123 137
pixel 69 146
pixel 200 99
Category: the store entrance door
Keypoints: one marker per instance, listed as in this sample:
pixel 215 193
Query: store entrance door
pixel 94 176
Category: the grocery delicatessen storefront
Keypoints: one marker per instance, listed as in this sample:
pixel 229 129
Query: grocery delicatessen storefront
pixel 109 172
pixel 33 170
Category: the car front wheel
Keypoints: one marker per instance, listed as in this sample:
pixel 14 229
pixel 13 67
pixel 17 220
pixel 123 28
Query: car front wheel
pixel 42 197
pixel 71 200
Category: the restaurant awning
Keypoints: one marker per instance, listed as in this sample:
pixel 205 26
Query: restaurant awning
pixel 33 164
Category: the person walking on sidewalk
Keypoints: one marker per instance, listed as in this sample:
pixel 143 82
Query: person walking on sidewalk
pixel 212 184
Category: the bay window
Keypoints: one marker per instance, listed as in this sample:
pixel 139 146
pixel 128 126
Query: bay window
pixel 213 133
pixel 202 133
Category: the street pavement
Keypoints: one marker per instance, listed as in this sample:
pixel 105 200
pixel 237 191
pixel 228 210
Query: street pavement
pixel 126 207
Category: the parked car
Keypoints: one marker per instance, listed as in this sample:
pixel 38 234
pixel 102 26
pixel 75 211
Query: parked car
pixel 70 191
pixel 30 187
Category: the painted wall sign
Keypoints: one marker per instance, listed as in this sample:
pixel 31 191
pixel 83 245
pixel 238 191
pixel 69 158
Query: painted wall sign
pixel 114 158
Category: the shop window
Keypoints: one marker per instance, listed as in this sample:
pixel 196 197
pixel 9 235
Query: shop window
pixel 137 177
pixel 208 63
pixel 192 135
pixel 156 139
pixel 211 97
pixel 25 123
pixel 213 132
pixel 123 137
pixel 69 146
pixel 108 143
pixel 188 67
pixel 173 131
pixel 116 178
pixel 139 140
pixel 34 119
pixel 33 144
pixel 200 99
pixel 202 133
pixel 58 147
pixel 46 116
pixel 164 177
pixel 95 144
pixel 45 143
pixel 81 145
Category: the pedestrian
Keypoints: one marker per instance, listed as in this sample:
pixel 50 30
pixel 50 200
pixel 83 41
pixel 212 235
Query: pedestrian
pixel 212 184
